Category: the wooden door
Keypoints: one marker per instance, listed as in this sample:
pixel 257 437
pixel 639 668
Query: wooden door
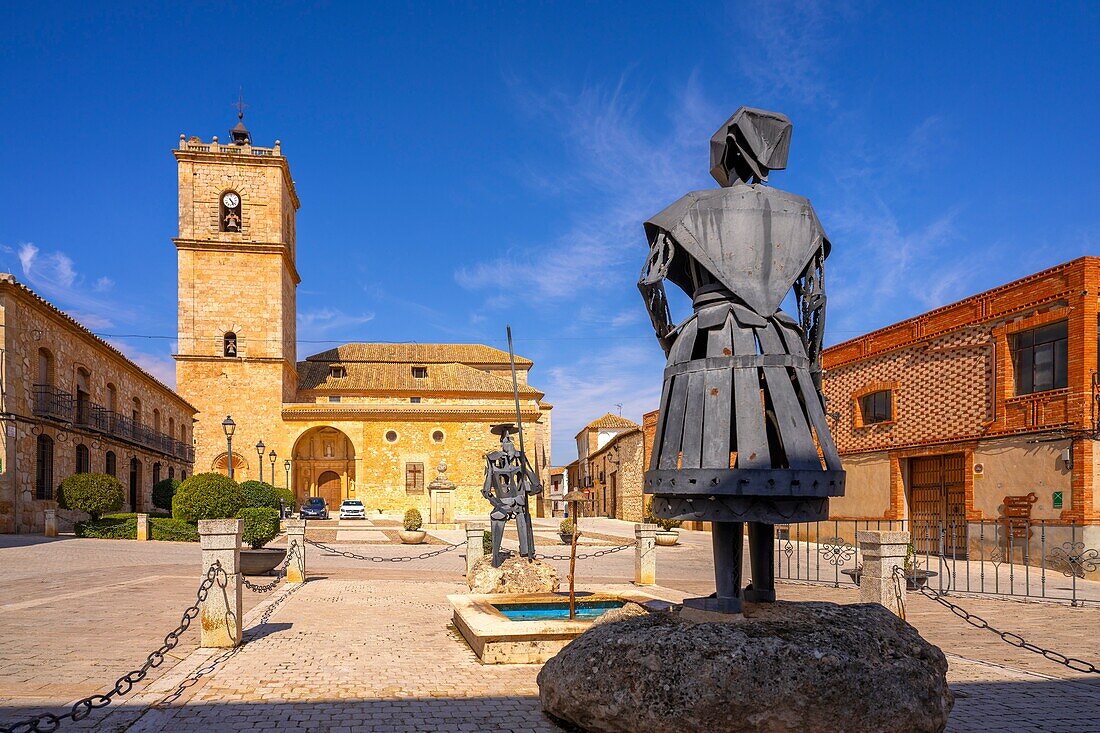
pixel 937 504
pixel 328 486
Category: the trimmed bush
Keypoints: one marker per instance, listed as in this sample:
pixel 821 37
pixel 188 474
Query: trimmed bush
pixel 487 542
pixel 166 529
pixel 413 520
pixel 567 526
pixel 207 496
pixel 118 527
pixel 257 494
pixel 666 524
pixel 163 491
pixel 261 525
pixel 91 493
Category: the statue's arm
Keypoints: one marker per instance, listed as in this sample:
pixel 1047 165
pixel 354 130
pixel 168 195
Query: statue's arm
pixel 651 284
pixel 810 294
pixel 534 486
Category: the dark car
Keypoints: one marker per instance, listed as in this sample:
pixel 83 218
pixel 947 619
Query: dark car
pixel 314 508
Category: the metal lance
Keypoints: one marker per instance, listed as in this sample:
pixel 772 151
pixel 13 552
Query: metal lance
pixel 515 394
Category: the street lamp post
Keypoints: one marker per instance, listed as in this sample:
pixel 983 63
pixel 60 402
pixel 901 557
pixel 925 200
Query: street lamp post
pixel 260 460
pixel 229 427
pixel 272 456
pixel 286 465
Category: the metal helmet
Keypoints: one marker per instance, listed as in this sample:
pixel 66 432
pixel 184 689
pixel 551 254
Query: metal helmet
pixel 750 143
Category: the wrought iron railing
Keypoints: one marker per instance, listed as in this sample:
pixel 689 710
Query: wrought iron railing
pixel 1040 559
pixel 60 405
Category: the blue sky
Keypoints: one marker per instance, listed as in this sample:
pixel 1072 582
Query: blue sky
pixel 947 148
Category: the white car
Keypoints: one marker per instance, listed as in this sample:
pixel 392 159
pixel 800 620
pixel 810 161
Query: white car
pixel 352 509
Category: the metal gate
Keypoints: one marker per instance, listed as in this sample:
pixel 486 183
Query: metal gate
pixel 937 504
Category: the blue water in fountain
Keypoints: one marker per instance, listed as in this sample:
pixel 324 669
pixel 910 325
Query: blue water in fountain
pixel 555 610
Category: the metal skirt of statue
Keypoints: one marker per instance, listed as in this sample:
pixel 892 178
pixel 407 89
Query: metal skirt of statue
pixel 741 437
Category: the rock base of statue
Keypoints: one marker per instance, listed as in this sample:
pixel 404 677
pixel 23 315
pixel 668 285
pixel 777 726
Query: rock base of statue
pixel 515 575
pixel 784 667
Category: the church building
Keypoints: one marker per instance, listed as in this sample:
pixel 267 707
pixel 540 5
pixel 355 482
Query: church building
pixel 370 421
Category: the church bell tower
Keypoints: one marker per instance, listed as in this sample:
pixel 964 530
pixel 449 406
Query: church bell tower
pixel 237 285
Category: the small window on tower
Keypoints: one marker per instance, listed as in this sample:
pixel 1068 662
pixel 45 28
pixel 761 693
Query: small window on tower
pixel 420 372
pixel 230 220
pixel 229 345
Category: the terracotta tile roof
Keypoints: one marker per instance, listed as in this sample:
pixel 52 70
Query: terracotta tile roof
pixel 418 354
pixel 366 376
pixel 611 421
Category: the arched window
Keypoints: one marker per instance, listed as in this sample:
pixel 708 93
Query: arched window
pixel 45 368
pixel 112 397
pixel 83 397
pixel 83 459
pixel 135 413
pixel 230 218
pixel 172 427
pixel 156 473
pixel 156 420
pixel 110 464
pixel 229 345
pixel 183 475
pixel 171 472
pixel 43 472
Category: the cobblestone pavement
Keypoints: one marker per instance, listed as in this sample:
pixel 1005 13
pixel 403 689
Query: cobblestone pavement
pixel 367 646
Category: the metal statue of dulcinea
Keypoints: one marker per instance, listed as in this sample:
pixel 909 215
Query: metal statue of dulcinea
pixel 742 435
pixel 509 480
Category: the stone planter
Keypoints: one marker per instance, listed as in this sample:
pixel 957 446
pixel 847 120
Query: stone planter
pixel 914 579
pixel 261 561
pixel 667 538
pixel 566 539
pixel 412 537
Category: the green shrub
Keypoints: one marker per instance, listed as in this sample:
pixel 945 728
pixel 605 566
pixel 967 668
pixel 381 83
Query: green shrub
pixel 166 529
pixel 207 496
pixel 92 493
pixel 666 524
pixel 257 494
pixel 567 526
pixel 413 520
pixel 163 491
pixel 119 527
pixel 261 525
pixel 487 542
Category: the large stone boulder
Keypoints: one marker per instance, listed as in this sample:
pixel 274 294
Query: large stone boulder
pixel 515 575
pixel 784 668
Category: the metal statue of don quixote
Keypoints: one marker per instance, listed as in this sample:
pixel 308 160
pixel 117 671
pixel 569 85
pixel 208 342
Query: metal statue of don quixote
pixel 742 435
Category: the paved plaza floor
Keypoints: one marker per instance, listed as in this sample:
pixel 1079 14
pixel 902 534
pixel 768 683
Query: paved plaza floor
pixel 369 646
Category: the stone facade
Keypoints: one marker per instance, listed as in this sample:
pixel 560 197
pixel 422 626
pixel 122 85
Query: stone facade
pixel 73 402
pixel 952 393
pixel 365 421
pixel 611 457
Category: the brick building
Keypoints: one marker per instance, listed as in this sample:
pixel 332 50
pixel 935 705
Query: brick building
pixel 610 453
pixel 363 420
pixel 940 417
pixel 72 403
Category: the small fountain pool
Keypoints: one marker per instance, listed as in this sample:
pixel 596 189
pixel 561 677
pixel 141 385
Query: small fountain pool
pixel 556 610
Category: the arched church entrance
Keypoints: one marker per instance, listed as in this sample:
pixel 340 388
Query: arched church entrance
pixel 324 465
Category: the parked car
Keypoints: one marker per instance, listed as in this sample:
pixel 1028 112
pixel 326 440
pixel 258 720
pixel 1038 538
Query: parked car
pixel 314 508
pixel 352 509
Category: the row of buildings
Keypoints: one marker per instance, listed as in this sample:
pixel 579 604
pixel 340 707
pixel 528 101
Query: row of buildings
pixel 940 418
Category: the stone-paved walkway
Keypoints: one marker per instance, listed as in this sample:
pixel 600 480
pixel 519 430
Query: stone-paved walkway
pixel 367 647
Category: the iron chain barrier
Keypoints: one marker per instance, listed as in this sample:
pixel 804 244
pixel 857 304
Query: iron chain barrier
pixel 585 556
pixel 1078 665
pixel 81 709
pixel 379 559
pixel 279 575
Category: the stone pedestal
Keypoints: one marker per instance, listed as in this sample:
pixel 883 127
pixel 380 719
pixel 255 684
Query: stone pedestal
pixel 881 552
pixel 475 548
pixel 296 544
pixel 441 514
pixel 786 667
pixel 51 523
pixel 143 528
pixel 221 615
pixel 645 554
pixel 515 575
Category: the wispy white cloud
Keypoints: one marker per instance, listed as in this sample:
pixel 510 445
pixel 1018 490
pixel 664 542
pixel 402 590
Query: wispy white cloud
pixel 103 285
pixel 160 364
pixel 325 321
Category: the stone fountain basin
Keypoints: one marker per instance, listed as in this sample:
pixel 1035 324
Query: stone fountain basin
pixel 497 639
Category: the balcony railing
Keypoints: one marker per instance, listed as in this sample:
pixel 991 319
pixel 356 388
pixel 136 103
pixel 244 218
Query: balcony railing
pixel 60 405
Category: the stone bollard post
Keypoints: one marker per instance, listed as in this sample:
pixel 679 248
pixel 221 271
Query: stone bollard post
pixel 221 615
pixel 645 554
pixel 475 550
pixel 51 523
pixel 143 527
pixel 882 552
pixel 296 541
